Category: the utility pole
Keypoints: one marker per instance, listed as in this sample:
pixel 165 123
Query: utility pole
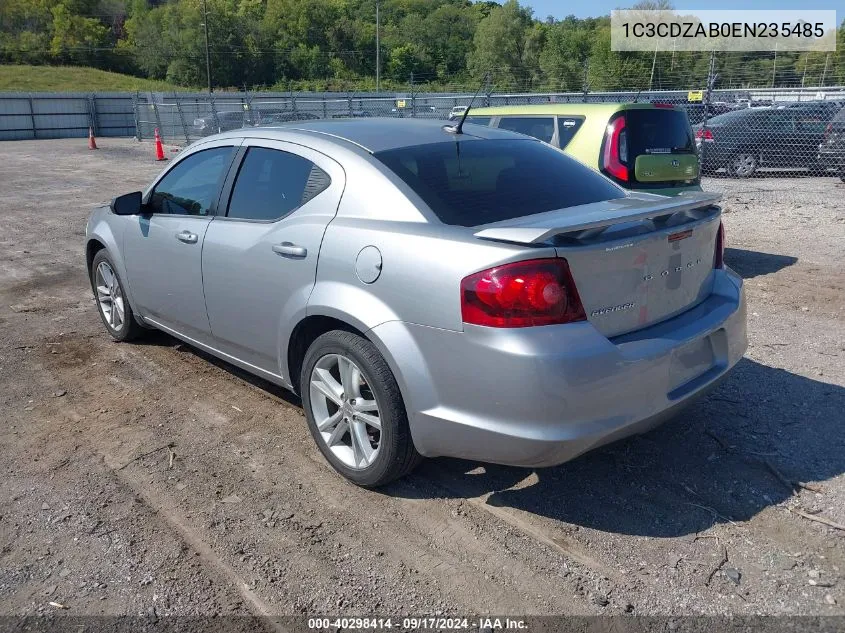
pixel 653 64
pixel 378 51
pixel 824 72
pixel 708 93
pixel 585 87
pixel 775 65
pixel 207 53
pixel 674 45
pixel 804 76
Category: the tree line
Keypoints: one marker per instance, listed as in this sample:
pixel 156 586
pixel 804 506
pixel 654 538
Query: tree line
pixel 331 44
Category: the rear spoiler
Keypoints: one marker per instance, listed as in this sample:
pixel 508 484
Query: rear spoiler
pixel 539 228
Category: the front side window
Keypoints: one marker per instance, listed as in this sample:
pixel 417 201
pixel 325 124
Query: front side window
pixel 191 186
pixel 542 128
pixel 474 182
pixel 272 183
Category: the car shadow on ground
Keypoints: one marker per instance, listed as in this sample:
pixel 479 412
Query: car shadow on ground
pixel 158 338
pixel 720 460
pixel 750 264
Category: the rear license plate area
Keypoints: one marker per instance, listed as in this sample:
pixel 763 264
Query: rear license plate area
pixel 690 361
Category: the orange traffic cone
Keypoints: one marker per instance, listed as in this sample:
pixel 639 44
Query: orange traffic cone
pixel 92 142
pixel 159 149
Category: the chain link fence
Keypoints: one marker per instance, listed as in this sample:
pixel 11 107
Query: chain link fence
pixel 738 133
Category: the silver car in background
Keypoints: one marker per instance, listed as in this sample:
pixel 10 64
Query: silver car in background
pixel 476 294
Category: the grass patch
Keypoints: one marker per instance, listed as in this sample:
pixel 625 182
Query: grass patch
pixel 20 78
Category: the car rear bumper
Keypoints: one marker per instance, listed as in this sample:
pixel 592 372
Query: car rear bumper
pixel 831 157
pixel 542 396
pixel 669 191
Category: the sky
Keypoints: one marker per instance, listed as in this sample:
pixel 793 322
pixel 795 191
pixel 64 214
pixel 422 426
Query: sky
pixel 595 8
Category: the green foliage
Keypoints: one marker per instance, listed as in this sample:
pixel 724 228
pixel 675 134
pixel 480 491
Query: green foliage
pixel 19 77
pixel 505 44
pixel 330 44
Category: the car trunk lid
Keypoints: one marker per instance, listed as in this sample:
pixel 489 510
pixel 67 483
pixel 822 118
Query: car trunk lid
pixel 636 261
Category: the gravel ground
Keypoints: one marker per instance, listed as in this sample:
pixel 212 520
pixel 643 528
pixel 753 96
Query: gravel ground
pixel 151 479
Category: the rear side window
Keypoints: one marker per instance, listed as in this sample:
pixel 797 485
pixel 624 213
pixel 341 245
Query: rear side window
pixel 567 127
pixel 474 182
pixel 782 121
pixel 542 128
pixel 840 116
pixel 813 120
pixel 658 131
pixel 191 186
pixel 271 184
pixel 479 120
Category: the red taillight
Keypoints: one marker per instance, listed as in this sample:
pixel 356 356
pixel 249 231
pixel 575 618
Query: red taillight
pixel 616 149
pixel 827 130
pixel 704 135
pixel 522 294
pixel 659 104
pixel 719 255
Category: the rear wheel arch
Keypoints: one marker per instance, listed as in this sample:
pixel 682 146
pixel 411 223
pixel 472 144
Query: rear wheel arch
pixel 304 334
pixel 310 328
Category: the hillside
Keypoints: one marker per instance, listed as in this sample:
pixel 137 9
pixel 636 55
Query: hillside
pixel 21 78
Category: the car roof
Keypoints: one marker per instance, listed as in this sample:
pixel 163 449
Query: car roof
pixel 564 109
pixel 381 134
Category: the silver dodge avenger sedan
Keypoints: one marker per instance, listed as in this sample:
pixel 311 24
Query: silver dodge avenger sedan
pixel 427 290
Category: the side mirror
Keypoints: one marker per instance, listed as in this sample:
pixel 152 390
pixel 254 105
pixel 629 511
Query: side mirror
pixel 127 204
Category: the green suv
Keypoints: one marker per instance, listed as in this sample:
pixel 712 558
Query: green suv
pixel 641 146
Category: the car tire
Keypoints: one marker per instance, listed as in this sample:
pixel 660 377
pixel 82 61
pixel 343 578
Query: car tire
pixel 742 165
pixel 369 383
pixel 112 303
pixel 842 176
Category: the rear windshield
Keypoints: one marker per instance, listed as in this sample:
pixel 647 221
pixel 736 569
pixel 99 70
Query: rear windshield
pixel 659 131
pixel 473 182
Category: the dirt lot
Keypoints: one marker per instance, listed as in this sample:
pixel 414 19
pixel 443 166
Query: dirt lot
pixel 150 479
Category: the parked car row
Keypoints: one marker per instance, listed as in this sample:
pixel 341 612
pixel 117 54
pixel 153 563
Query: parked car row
pixel 641 146
pixel 652 147
pixel 789 136
pixel 234 119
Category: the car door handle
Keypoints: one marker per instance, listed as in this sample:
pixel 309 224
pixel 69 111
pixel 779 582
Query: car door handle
pixel 187 237
pixel 288 249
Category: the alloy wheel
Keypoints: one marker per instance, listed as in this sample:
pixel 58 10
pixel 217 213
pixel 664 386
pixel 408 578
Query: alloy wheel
pixel 345 410
pixel 110 296
pixel 744 165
